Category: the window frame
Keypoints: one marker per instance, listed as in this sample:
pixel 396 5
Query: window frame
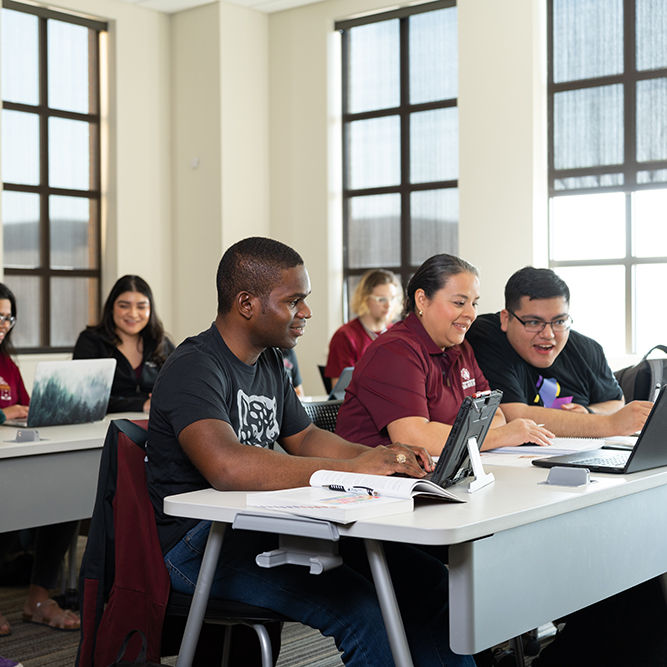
pixel 630 166
pixel 404 110
pixel 44 272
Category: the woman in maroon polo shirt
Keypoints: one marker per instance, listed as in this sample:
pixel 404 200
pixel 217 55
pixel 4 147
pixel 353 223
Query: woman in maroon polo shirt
pixel 409 384
pixel 375 300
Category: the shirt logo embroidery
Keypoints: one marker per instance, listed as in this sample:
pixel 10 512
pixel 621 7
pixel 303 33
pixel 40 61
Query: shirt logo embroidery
pixel 466 380
pixel 5 390
pixel 258 424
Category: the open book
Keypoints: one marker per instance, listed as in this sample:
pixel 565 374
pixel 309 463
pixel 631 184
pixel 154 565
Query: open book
pixel 345 497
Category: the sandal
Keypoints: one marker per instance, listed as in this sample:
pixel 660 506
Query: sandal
pixel 58 620
pixel 5 628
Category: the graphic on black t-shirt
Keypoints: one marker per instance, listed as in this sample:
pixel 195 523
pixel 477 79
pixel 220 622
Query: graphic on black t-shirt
pixel 548 389
pixel 258 424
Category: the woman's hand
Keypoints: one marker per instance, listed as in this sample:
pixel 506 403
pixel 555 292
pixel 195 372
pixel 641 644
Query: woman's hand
pixel 147 404
pixel 16 412
pixel 518 432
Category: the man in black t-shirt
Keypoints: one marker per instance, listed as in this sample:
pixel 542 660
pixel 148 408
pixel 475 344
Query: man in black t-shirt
pixel 560 378
pixel 221 401
pixel 529 352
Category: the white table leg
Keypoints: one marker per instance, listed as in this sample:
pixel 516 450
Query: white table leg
pixel 201 595
pixel 387 598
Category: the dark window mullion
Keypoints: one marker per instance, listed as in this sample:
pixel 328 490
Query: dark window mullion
pixel 630 95
pixel 405 107
pixel 630 135
pixel 96 150
pixel 38 189
pixel 405 146
pixel 44 182
pixel 60 113
pixel 345 62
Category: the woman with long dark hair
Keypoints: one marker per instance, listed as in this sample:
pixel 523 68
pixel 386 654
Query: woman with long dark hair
pixel 131 333
pixel 51 542
pixel 410 382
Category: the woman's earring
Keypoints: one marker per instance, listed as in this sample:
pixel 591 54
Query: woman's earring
pixel 421 312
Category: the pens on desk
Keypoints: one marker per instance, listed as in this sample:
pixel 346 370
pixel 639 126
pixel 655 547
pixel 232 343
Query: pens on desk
pixel 360 490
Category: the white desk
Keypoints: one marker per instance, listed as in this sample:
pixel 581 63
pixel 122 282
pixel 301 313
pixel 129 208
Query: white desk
pixel 53 480
pixel 521 553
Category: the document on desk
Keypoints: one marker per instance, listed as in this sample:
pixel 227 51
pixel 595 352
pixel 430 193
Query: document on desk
pixel 346 497
pixel 523 455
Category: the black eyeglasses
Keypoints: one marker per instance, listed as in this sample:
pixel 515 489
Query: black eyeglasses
pixel 9 319
pixel 536 326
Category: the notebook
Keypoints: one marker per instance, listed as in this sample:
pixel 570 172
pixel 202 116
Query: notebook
pixel 69 392
pixel 338 392
pixel 472 421
pixel 649 452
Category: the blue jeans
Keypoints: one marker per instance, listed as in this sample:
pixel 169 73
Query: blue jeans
pixel 341 603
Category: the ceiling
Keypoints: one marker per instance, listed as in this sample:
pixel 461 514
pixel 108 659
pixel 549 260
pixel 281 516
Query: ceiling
pixel 172 6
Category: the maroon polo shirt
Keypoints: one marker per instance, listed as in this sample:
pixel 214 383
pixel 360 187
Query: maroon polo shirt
pixel 346 347
pixel 403 373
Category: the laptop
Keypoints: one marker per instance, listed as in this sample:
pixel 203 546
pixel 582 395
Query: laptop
pixel 649 452
pixel 69 392
pixel 338 392
pixel 472 421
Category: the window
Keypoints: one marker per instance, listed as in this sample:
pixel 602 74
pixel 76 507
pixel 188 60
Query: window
pixel 608 166
pixel 400 139
pixel 51 172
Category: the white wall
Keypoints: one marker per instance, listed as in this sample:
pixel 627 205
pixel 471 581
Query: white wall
pixel 503 140
pixel 220 103
pixel 197 165
pixel 502 146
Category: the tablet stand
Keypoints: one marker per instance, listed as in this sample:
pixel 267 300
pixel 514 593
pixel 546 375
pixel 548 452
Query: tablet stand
pixel 481 478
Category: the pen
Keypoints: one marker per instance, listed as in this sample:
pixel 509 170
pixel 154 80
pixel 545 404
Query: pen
pixel 360 490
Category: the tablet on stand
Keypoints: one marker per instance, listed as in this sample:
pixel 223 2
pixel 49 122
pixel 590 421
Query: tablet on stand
pixel 460 456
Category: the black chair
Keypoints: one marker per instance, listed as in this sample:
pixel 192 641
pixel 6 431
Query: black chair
pixel 323 413
pixel 232 615
pixel 327 381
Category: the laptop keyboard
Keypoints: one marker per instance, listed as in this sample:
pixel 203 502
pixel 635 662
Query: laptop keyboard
pixel 615 461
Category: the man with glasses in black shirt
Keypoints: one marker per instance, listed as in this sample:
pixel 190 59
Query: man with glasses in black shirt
pixel 548 372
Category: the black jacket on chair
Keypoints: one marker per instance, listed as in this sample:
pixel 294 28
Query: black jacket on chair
pixel 137 596
pixel 123 582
